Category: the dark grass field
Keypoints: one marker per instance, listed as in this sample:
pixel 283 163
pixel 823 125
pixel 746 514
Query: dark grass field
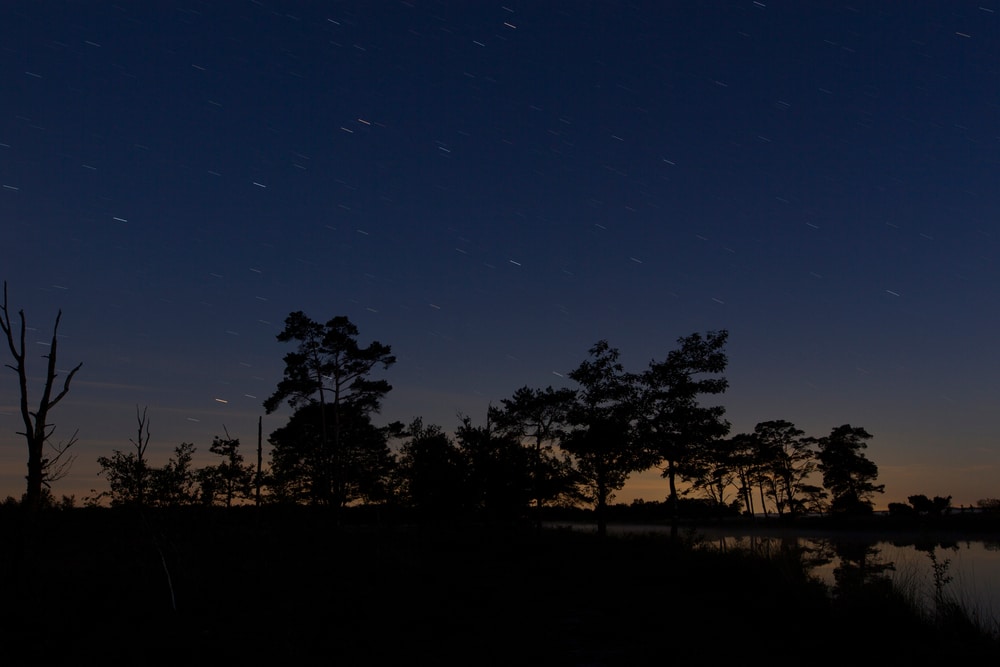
pixel 291 587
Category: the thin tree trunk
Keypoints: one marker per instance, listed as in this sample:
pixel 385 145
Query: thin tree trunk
pixel 36 473
pixel 673 501
pixel 763 500
pixel 536 484
pixel 260 455
pixel 600 507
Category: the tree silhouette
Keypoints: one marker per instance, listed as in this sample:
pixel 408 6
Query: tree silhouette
pixel 860 569
pixel 722 470
pixel 499 472
pixel 301 459
pixel 602 439
pixel 128 473
pixel 936 506
pixel 675 429
pixel 37 430
pixel 138 484
pixel 330 364
pixel 847 473
pixel 539 416
pixel 776 462
pixel 741 455
pixel 175 483
pixel 231 478
pixel 788 461
pixel 432 475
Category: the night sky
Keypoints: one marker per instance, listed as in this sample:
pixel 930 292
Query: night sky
pixel 491 188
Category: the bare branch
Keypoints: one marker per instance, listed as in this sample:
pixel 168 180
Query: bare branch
pixel 57 467
pixel 143 440
pixel 19 368
pixel 65 389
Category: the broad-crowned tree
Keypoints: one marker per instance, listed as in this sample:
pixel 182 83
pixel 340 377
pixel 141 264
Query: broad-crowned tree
pixel 674 426
pixel 329 367
pixel 787 460
pixel 301 458
pixel 601 438
pixel 538 419
pixel 848 474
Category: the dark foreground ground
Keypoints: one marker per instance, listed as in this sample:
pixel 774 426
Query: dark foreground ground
pixel 91 587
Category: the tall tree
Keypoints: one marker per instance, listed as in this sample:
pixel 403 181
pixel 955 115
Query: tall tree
pixel 787 462
pixel 37 430
pixel 329 366
pixel 602 438
pixel 539 416
pixel 741 451
pixel 675 428
pixel 847 473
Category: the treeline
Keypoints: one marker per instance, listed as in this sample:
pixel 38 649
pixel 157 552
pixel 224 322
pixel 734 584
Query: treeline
pixel 132 480
pixel 541 447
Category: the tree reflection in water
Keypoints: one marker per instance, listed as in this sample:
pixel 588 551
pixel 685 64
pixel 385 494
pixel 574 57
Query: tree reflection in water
pixel 859 565
pixel 862 578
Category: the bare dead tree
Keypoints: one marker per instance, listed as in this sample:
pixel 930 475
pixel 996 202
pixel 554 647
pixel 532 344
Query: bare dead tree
pixel 37 430
pixel 140 444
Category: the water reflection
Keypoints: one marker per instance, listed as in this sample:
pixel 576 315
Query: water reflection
pixel 940 574
pixel 932 570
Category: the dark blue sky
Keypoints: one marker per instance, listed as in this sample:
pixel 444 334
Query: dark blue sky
pixel 490 188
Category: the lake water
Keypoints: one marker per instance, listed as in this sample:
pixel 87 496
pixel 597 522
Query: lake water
pixel 968 571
